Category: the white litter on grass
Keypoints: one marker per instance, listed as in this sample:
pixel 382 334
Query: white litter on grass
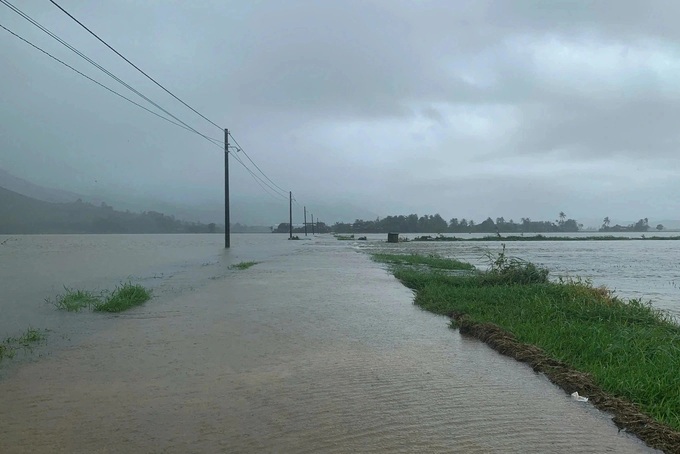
pixel 579 398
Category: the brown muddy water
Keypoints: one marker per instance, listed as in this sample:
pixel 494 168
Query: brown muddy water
pixel 315 349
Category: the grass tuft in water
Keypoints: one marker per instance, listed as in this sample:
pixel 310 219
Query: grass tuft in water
pixel 243 265
pixel 11 345
pixel 122 298
pixel 73 300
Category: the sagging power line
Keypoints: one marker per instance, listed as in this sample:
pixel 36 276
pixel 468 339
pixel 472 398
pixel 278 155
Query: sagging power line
pixel 97 65
pixel 135 66
pixel 266 183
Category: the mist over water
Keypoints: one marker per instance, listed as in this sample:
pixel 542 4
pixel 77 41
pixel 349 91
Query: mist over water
pixel 316 348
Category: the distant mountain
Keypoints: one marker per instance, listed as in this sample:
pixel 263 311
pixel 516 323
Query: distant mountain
pixel 20 214
pixel 247 210
pixel 21 186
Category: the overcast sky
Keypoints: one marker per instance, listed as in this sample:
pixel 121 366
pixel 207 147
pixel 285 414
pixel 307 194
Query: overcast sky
pixel 361 108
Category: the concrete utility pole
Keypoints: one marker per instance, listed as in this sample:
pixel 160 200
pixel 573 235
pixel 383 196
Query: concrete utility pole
pixel 227 228
pixel 290 213
pixel 305 221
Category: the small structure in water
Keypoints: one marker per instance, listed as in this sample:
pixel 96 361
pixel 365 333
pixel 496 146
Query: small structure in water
pixel 392 237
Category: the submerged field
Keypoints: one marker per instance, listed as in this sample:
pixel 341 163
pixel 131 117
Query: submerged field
pixel 624 355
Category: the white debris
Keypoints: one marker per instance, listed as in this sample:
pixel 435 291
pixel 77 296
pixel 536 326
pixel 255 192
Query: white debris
pixel 579 398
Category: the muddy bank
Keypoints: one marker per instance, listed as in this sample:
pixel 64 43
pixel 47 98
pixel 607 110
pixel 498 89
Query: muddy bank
pixel 626 415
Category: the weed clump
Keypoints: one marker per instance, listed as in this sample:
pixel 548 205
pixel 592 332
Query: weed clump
pixel 11 345
pixel 73 300
pixel 122 298
pixel 504 270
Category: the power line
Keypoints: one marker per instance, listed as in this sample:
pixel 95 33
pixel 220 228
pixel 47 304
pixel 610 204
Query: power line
pixel 258 180
pixel 134 66
pixel 272 191
pixel 256 166
pixel 97 82
pixel 214 141
pixel 98 66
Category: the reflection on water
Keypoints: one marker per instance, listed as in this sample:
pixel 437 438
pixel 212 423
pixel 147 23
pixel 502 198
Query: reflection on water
pixel 316 349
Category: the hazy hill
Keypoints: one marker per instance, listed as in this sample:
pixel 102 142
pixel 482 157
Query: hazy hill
pixel 21 186
pixel 21 214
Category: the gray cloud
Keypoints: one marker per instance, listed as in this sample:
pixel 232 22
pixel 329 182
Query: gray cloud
pixel 469 108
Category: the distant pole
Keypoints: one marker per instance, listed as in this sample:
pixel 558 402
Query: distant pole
pixel 305 221
pixel 312 224
pixel 290 213
pixel 227 228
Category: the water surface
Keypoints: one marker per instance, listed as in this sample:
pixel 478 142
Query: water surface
pixel 315 349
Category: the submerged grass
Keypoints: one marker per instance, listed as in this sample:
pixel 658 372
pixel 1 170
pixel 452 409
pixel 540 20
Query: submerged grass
pixel 122 298
pixel 431 260
pixel 11 345
pixel 627 349
pixel 243 265
pixel 74 300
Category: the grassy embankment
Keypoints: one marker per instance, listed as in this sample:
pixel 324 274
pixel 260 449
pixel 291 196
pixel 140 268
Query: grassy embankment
pixel 122 298
pixel 11 345
pixel 623 355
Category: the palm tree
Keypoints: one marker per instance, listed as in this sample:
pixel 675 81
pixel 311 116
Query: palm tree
pixel 605 222
pixel 562 217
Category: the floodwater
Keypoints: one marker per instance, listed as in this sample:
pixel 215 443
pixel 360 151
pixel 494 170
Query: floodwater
pixel 315 349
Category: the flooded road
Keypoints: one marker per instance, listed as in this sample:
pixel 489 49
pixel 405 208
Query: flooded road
pixel 315 349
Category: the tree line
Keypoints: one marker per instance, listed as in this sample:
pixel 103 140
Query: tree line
pixel 640 226
pixel 412 223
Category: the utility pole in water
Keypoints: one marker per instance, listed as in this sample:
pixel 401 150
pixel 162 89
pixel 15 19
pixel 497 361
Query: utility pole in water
pixel 305 208
pixel 312 224
pixel 290 213
pixel 227 228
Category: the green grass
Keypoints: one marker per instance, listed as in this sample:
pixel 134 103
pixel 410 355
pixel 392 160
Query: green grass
pixel 11 345
pixel 431 260
pixel 630 349
pixel 540 237
pixel 243 265
pixel 122 298
pixel 73 300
